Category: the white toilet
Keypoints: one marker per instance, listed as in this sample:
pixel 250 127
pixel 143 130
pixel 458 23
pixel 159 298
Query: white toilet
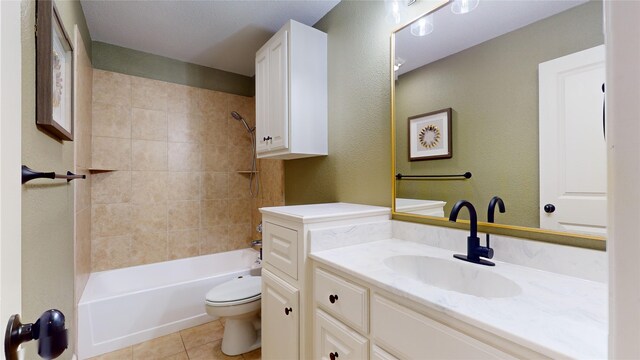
pixel 238 301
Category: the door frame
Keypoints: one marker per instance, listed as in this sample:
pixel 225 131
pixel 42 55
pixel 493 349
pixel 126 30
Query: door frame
pixel 10 159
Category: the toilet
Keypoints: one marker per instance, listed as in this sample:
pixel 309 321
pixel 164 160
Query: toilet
pixel 238 301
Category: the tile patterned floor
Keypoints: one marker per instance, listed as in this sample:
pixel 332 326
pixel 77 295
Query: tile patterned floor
pixel 196 343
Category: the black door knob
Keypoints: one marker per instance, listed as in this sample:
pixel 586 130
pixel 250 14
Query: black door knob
pixel 333 298
pixel 288 310
pixel 549 208
pixel 333 355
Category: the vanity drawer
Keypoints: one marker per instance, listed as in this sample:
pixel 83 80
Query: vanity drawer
pixel 335 341
pixel 420 335
pixel 379 354
pixel 342 299
pixel 280 248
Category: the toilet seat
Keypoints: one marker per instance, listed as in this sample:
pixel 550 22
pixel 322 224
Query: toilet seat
pixel 238 291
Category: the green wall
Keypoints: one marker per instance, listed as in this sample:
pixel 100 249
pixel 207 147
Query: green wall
pixel 494 96
pixel 47 206
pixel 358 167
pixel 137 63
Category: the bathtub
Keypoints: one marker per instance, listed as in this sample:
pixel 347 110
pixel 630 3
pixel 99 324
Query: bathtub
pixel 122 307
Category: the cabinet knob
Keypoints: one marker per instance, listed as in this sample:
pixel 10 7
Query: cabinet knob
pixel 333 298
pixel 333 355
pixel 288 310
pixel 267 138
pixel 549 208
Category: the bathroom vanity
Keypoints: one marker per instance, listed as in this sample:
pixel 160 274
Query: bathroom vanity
pixel 287 276
pixel 348 285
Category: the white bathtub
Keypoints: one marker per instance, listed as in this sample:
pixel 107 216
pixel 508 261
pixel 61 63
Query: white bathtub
pixel 122 307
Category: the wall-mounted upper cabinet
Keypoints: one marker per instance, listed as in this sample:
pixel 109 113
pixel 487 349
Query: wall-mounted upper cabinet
pixel 291 94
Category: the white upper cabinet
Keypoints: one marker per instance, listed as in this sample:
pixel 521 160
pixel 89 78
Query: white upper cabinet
pixel 291 94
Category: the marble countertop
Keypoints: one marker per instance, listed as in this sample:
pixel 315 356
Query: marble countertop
pixel 325 212
pixel 555 315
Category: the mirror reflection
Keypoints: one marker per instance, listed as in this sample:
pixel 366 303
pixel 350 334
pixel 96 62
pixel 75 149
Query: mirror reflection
pixel 524 82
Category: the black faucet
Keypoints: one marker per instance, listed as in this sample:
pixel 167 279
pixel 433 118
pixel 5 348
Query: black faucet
pixel 474 250
pixel 496 200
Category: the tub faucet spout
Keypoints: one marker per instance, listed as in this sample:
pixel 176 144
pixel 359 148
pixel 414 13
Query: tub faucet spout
pixel 474 250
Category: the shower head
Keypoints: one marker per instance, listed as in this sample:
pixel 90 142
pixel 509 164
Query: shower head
pixel 244 122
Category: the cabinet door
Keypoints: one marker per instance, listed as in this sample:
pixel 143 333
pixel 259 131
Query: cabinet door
pixel 421 337
pixel 278 92
pixel 280 317
pixel 262 100
pixel 335 341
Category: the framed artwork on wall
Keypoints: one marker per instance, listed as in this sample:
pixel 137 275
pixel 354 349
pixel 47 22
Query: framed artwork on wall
pixel 430 135
pixel 54 73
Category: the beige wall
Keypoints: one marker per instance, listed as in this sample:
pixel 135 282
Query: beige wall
pixel 173 189
pixel 47 206
pixel 82 158
pixel 493 90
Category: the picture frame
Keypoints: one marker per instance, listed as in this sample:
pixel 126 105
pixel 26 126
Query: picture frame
pixel 430 135
pixel 54 73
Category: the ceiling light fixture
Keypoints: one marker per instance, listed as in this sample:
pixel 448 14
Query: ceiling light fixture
pixel 463 6
pixel 423 26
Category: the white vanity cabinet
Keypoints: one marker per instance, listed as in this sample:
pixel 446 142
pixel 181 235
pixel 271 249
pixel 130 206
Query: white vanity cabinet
pixel 356 320
pixel 287 304
pixel 291 94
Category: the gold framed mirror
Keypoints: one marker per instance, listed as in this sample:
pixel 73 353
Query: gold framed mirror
pixel 501 68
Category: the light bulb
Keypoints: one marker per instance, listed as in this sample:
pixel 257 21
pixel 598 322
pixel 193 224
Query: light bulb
pixel 423 26
pixel 463 6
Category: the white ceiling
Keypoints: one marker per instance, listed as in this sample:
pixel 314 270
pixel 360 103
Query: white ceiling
pixel 220 34
pixel 453 33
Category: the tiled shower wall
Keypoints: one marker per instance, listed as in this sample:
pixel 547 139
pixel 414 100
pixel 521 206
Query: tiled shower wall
pixel 171 187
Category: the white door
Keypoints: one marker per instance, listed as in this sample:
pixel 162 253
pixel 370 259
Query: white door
pixel 262 100
pixel 573 167
pixel 279 92
pixel 10 187
pixel 280 316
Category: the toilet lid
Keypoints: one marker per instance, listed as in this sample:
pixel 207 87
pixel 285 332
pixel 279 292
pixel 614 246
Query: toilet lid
pixel 237 289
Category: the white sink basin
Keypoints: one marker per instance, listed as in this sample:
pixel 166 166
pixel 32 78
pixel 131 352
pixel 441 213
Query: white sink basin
pixel 454 275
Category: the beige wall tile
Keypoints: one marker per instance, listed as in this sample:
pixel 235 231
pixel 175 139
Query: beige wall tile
pixel 111 153
pixel 111 120
pixel 149 218
pixel 215 185
pixel 184 215
pixel 182 99
pixel 111 88
pixel 82 250
pixel 148 187
pixel 202 334
pixel 214 239
pixel 148 155
pixel 83 189
pixel 215 129
pixel 184 185
pixel 148 247
pixel 111 187
pixel 239 211
pixel 239 186
pixel 240 236
pixel 183 243
pixel 110 220
pixel 185 127
pixel 159 347
pixel 148 94
pixel 239 158
pixel 184 157
pixel 110 253
pixel 148 124
pixel 122 354
pixel 214 212
pixel 213 102
pixel 215 158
